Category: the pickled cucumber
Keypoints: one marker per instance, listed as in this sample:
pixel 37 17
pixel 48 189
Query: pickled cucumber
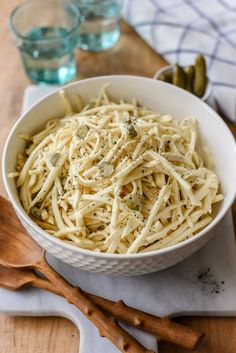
pixel 54 159
pixel 190 73
pixel 179 77
pixel 200 79
pixel 166 76
pixel 106 169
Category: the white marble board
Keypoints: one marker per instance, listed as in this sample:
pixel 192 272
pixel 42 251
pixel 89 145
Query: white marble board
pixel 175 291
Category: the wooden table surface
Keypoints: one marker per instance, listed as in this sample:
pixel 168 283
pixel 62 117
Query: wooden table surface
pixel 130 56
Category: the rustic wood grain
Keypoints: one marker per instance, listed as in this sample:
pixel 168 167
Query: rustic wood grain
pixel 130 56
pixel 220 335
pixel 38 335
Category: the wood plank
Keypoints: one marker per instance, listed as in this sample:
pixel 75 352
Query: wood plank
pixel 38 335
pixel 132 56
pixel 122 59
pixel 220 335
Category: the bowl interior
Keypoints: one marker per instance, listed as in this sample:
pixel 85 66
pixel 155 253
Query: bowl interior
pixel 156 95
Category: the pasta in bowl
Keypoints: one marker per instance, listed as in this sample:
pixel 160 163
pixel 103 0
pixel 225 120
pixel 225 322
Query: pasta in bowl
pixel 116 179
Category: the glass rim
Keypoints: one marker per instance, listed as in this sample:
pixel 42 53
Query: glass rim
pixel 26 39
pixel 103 2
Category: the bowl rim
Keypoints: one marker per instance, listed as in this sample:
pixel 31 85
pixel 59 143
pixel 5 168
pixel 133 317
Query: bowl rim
pixel 58 242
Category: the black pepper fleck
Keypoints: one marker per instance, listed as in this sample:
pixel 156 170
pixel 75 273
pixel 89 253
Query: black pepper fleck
pixel 209 282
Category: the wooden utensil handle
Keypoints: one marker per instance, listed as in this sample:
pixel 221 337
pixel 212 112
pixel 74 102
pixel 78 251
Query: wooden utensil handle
pixel 163 328
pixel 107 326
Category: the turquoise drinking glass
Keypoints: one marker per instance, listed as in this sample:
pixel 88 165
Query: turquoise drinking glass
pixel 100 27
pixel 47 34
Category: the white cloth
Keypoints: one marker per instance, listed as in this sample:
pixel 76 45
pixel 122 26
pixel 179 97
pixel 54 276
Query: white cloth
pixel 181 29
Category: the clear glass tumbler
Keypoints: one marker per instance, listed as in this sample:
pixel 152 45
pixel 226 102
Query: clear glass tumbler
pixel 47 33
pixel 100 27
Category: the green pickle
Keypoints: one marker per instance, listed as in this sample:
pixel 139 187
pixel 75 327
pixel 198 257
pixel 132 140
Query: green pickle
pixel 200 80
pixel 166 76
pixel 179 77
pixel 190 73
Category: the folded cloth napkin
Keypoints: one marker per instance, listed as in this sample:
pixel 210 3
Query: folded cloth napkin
pixel 181 29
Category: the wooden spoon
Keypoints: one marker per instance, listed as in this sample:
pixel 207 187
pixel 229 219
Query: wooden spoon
pixel 19 250
pixel 163 328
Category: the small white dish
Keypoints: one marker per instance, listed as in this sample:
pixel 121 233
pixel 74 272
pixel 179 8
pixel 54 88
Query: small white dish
pixel 208 95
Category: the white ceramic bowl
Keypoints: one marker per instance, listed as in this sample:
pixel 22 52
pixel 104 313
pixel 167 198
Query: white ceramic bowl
pixel 157 95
